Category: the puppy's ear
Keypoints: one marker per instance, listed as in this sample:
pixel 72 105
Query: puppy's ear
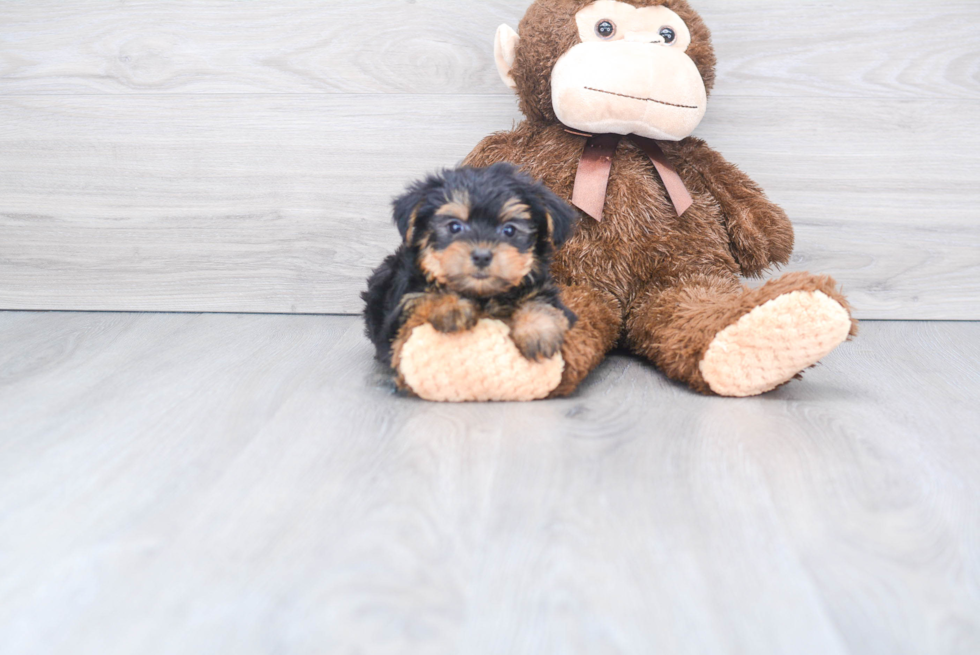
pixel 407 206
pixel 406 210
pixel 559 215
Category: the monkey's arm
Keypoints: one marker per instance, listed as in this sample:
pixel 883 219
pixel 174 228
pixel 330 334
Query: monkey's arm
pixel 759 231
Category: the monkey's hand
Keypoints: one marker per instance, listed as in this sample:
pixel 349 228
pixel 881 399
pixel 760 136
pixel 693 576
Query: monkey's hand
pixel 538 330
pixel 448 312
pixel 760 234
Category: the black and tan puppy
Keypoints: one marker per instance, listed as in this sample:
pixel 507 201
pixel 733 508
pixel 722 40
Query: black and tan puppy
pixel 477 243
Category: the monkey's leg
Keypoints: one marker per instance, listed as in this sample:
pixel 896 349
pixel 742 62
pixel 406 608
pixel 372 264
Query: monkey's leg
pixel 721 337
pixel 596 331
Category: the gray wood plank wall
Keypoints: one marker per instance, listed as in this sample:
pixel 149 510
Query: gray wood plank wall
pixel 226 156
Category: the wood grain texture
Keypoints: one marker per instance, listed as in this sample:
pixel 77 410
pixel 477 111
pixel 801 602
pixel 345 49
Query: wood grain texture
pixel 228 156
pixel 863 48
pixel 250 484
pixel 280 203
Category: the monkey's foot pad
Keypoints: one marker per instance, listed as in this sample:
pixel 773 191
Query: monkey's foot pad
pixel 773 343
pixel 481 364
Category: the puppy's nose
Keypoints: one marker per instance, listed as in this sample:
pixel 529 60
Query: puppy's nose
pixel 481 257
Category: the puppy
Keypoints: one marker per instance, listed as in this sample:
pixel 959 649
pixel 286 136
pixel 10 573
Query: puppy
pixel 477 242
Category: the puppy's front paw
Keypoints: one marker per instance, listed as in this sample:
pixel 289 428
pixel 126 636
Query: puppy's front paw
pixel 453 314
pixel 538 331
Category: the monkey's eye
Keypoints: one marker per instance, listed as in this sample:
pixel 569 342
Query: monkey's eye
pixel 605 29
pixel 455 227
pixel 668 35
pixel 509 231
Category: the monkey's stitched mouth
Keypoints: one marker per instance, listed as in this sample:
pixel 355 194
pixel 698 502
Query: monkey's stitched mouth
pixel 623 95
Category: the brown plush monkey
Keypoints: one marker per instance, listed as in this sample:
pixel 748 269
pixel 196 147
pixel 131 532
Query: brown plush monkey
pixel 637 273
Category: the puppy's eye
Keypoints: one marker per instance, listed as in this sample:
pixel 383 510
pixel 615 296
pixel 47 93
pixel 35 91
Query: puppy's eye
pixel 509 231
pixel 605 29
pixel 455 227
pixel 668 35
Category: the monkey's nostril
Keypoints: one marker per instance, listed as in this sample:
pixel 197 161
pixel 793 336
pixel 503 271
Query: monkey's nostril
pixel 481 257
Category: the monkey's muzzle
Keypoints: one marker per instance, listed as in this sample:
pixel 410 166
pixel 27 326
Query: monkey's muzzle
pixel 627 87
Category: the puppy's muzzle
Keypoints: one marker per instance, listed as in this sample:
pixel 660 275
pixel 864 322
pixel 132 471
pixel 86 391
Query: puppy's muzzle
pixel 482 257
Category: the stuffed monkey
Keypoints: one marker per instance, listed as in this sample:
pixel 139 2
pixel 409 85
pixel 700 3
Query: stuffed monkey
pixel 611 92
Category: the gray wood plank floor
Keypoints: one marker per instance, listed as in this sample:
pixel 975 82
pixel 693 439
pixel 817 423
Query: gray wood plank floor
pixel 250 484
pixel 232 156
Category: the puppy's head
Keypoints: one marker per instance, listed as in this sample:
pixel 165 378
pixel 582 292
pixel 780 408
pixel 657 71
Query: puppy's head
pixel 482 231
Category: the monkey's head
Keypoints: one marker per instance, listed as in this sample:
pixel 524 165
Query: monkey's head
pixel 610 66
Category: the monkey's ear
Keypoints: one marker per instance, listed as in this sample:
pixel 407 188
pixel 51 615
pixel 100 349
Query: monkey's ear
pixel 505 51
pixel 561 217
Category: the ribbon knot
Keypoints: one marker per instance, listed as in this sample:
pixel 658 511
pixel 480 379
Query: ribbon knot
pixel 592 178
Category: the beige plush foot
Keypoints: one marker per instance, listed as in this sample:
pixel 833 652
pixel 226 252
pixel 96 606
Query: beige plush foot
pixel 774 342
pixel 481 364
